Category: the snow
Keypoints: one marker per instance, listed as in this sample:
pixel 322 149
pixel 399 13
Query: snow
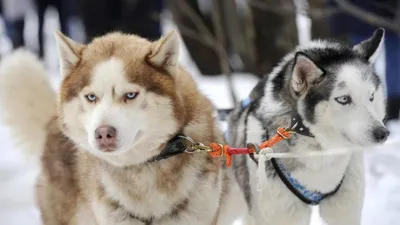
pixel 382 200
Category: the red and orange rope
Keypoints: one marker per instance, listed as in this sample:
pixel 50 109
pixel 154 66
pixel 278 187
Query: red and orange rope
pixel 227 151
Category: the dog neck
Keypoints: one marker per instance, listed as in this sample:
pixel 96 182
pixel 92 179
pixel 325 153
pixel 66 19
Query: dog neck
pixel 328 169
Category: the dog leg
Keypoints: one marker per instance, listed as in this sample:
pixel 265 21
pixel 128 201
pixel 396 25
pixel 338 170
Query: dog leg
pixel 287 211
pixel 299 218
pixel 344 208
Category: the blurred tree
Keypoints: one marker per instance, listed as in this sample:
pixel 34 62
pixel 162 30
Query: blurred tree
pixel 189 19
pixel 225 36
pixel 248 42
pixel 141 17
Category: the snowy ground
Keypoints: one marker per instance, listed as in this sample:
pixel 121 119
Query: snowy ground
pixel 382 201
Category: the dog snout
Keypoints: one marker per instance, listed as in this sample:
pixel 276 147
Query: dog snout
pixel 380 134
pixel 106 137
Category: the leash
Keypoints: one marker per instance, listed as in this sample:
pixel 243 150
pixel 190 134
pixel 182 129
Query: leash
pixel 218 150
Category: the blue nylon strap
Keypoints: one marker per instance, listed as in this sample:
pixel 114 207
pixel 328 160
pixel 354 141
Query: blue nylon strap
pixel 307 196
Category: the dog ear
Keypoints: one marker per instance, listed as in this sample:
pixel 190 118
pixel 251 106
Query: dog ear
pixel 370 48
pixel 68 52
pixel 305 73
pixel 164 53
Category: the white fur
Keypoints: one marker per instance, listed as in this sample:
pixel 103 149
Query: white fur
pixel 336 126
pixel 143 124
pixel 269 106
pixel 166 51
pixel 160 203
pixel 135 121
pixel 67 51
pixel 362 115
pixel 274 203
pixel 27 100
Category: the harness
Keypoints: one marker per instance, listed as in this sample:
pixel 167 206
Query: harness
pixel 175 146
pixel 310 197
pixel 307 196
pixel 180 144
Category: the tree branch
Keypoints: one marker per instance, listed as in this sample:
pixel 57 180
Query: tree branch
pixel 206 37
pixel 222 53
pixel 367 16
pixel 312 12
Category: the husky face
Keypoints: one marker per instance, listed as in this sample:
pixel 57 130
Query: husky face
pixel 118 97
pixel 338 92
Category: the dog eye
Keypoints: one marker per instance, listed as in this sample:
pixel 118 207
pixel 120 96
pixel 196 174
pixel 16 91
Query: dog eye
pixel 344 100
pixel 91 97
pixel 372 97
pixel 131 95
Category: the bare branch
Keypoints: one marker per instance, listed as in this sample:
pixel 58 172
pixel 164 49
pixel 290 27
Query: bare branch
pixel 367 16
pixel 204 31
pixel 222 53
pixel 196 36
pixel 237 29
pixel 206 37
pixel 312 12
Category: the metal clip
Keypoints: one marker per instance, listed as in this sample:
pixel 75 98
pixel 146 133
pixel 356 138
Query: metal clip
pixel 200 147
pixel 253 147
pixel 291 130
pixel 193 146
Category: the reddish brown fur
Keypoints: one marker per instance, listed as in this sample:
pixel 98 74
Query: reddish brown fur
pixel 69 178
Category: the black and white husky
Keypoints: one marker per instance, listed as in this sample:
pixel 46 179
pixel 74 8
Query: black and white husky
pixel 337 101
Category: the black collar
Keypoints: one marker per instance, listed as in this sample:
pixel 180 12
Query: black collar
pixel 177 145
pixel 298 126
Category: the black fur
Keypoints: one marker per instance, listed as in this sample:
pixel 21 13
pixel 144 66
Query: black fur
pixel 368 47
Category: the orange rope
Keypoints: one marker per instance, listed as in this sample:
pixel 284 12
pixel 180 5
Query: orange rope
pixel 281 134
pixel 223 150
pixel 218 151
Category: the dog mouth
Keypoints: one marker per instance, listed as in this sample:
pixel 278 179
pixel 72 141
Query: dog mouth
pixel 345 136
pixel 353 142
pixel 107 148
pixel 134 141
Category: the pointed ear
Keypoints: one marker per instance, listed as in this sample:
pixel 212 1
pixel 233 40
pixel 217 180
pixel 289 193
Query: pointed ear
pixel 164 53
pixel 68 52
pixel 305 73
pixel 370 48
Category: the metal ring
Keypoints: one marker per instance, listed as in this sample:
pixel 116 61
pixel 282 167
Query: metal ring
pixel 222 149
pixel 187 138
pixel 189 148
pixel 280 134
pixel 253 146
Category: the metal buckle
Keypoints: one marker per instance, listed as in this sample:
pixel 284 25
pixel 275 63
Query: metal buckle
pixel 193 146
pixel 253 146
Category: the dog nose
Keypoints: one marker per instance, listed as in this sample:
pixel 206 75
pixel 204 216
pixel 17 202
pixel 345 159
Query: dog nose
pixel 106 136
pixel 381 134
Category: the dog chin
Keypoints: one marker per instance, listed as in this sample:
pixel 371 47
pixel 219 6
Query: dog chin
pixel 350 141
pixel 365 142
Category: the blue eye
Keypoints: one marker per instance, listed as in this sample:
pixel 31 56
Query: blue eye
pixel 91 97
pixel 131 95
pixel 344 100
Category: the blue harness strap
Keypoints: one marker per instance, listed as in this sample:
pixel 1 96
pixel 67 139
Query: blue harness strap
pixel 307 196
pixel 245 102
